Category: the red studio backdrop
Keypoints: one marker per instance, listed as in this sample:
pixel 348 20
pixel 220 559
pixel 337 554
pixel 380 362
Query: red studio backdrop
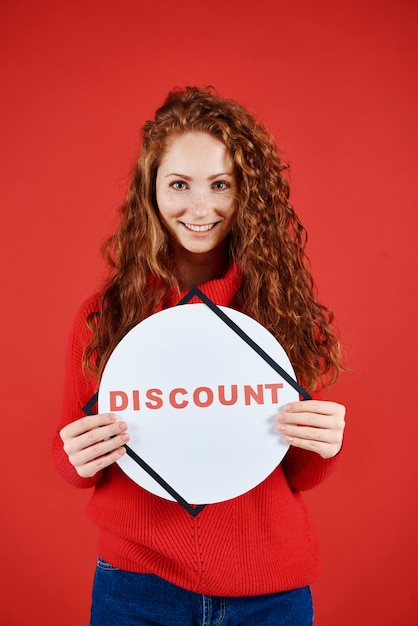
pixel 336 83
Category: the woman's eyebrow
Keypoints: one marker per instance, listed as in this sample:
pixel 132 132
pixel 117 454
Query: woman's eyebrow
pixel 179 176
pixel 220 174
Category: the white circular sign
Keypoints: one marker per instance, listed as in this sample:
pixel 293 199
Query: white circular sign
pixel 200 402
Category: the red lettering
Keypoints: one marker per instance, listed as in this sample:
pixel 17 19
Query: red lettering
pixel 155 401
pixel 234 395
pixel 135 398
pixel 123 400
pixel 173 401
pixel 203 397
pixel 209 396
pixel 274 391
pixel 250 393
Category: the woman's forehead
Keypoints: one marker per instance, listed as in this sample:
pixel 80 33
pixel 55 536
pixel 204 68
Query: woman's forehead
pixel 196 148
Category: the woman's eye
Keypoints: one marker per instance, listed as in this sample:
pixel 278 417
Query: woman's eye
pixel 179 185
pixel 220 185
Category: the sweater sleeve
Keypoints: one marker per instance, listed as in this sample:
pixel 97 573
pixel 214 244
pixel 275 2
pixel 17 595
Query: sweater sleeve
pixel 78 389
pixel 305 469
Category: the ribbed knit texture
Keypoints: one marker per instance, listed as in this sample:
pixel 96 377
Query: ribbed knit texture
pixel 260 542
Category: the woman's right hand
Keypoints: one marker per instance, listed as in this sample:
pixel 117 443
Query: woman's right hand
pixel 94 442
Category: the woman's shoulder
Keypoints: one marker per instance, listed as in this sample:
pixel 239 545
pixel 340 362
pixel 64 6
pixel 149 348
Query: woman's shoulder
pixel 92 304
pixel 88 308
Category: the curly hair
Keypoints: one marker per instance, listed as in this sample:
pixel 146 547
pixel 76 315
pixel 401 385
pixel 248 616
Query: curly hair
pixel 267 241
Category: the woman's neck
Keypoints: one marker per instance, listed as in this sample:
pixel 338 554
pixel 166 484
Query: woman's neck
pixel 196 269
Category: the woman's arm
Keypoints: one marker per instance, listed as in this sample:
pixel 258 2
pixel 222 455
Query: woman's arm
pixel 314 429
pixel 84 446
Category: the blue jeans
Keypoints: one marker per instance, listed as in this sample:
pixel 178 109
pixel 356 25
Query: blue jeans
pixel 127 599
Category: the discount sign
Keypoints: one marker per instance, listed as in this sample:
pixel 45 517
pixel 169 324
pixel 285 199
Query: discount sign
pixel 201 400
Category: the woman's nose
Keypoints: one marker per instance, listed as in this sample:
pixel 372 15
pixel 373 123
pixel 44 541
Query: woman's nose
pixel 200 203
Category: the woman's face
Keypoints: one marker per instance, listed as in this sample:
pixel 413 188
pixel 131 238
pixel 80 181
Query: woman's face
pixel 196 192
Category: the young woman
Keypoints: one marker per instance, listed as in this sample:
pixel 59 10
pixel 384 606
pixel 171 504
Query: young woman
pixel 208 205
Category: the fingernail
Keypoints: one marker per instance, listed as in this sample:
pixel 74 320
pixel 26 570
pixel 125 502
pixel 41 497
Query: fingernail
pixel 112 418
pixel 281 416
pixel 289 407
pixel 125 437
pixel 282 428
pixel 123 426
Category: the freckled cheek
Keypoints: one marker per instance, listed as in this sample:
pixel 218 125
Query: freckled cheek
pixel 226 204
pixel 169 207
pixel 231 211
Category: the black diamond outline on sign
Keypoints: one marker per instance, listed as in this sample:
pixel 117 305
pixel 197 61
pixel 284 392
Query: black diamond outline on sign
pixel 194 510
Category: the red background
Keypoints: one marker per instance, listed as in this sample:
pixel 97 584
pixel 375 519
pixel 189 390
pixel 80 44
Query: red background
pixel 336 83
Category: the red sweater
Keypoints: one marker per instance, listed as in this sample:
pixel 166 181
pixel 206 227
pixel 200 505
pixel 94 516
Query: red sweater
pixel 260 542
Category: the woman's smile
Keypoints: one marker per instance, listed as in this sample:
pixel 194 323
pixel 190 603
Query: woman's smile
pixel 199 229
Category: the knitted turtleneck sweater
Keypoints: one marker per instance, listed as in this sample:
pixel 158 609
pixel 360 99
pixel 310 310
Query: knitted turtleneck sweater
pixel 260 542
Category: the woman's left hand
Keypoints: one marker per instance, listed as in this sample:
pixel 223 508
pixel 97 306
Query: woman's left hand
pixel 314 425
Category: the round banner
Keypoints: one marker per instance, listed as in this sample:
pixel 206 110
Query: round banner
pixel 200 402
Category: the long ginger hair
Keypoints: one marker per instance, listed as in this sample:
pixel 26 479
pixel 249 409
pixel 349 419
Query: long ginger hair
pixel 267 241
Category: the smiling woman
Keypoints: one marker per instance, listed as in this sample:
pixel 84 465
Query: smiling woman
pixel 197 206
pixel 208 206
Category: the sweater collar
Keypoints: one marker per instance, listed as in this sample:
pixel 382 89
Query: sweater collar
pixel 221 290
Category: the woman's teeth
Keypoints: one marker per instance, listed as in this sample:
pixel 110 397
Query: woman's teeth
pixel 199 229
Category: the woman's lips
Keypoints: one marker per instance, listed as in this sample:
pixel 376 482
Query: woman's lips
pixel 199 228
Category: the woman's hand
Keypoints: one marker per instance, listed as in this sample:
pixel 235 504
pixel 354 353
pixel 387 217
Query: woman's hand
pixel 314 425
pixel 94 442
